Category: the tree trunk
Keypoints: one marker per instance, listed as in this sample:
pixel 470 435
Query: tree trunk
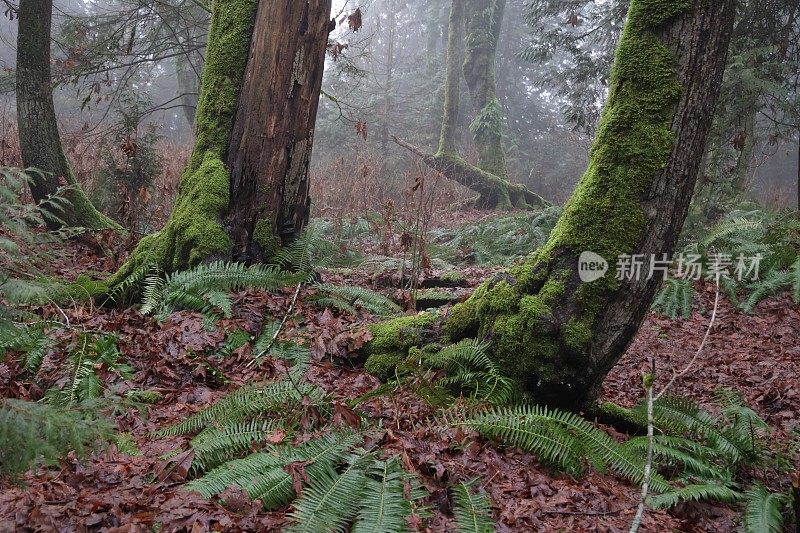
pixel 245 189
pixel 495 191
pixel 484 20
pixel 39 139
pixel 556 335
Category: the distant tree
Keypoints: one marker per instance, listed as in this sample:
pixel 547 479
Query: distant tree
pixel 40 141
pixel 245 189
pixel 473 34
pixel 555 335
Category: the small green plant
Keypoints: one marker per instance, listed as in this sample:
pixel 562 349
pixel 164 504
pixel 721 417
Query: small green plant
pixel 472 510
pixel 773 238
pixel 470 370
pixel 36 433
pixel 92 354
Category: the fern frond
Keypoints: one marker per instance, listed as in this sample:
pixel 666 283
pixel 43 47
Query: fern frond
pixel 675 299
pixel 561 438
pixel 682 416
pixel 384 508
pixel 667 452
pixel 262 474
pixel 247 401
pixel 472 511
pixel 470 369
pixel 762 511
pixel 217 445
pixel 697 493
pixel 332 499
pixel 375 303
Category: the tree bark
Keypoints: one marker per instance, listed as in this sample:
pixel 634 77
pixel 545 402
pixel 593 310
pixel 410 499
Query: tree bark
pixel 556 335
pixel 39 139
pixel 270 148
pixel 484 20
pixel 245 189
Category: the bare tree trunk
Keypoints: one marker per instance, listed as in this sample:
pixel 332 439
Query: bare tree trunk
pixel 245 189
pixel 39 139
pixel 556 335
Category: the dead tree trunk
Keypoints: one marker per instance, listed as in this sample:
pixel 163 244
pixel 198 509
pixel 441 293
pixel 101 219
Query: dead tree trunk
pixel 245 189
pixel 554 334
pixel 39 139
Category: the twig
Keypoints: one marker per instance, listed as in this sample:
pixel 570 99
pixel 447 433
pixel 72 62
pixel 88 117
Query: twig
pixel 699 349
pixel 280 327
pixel 648 467
pixel 648 383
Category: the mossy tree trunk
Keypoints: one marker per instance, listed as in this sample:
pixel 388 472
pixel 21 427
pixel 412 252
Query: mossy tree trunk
pixel 484 20
pixel 245 189
pixel 473 30
pixel 556 335
pixel 39 139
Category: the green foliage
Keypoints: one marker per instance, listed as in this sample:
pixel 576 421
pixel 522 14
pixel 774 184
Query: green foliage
pixel 205 287
pixel 773 237
pixel 470 369
pixel 762 510
pixel 309 251
pixel 731 438
pixel 498 241
pixel 689 493
pixel 25 252
pixel 560 438
pixel 32 433
pixel 345 298
pixel 472 510
pixel 331 499
pixel 249 401
pixel 384 508
pixel 90 355
pixel 675 299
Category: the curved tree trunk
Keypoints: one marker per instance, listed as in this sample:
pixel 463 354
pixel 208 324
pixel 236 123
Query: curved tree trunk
pixel 245 189
pixel 556 335
pixel 471 51
pixel 39 138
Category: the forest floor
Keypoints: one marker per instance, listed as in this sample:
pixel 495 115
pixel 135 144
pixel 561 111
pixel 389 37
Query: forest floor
pixel 758 355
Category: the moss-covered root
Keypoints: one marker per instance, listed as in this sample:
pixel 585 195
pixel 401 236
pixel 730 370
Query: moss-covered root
pixel 194 231
pixel 392 340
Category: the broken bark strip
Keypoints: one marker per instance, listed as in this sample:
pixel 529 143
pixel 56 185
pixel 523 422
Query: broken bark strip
pixel 494 192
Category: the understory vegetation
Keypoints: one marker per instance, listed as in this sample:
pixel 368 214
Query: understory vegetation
pixel 290 444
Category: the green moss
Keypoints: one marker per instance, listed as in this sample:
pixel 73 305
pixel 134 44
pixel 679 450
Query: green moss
pixel 453 276
pixel 398 334
pixel 577 334
pixel 462 321
pixel 541 321
pixel 500 299
pixel 534 308
pixel 194 231
pixel 265 238
pixel 384 365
